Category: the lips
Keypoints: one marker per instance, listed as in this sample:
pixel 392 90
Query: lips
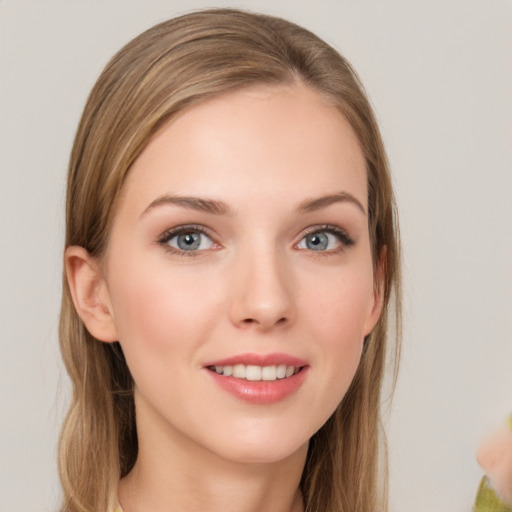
pixel 259 379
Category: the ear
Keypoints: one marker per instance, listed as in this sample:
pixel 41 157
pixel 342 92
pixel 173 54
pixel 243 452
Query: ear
pixel 378 291
pixel 90 293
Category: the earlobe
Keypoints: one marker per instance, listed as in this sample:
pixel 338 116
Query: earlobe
pixel 89 293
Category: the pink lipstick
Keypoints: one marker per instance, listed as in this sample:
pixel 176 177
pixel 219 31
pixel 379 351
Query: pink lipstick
pixel 259 378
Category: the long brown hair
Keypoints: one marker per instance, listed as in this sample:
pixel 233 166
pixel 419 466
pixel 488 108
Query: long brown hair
pixel 167 68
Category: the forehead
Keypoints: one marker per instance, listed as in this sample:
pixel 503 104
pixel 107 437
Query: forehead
pixel 259 141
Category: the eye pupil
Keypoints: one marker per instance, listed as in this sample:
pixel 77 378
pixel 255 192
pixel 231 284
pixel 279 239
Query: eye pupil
pixel 189 241
pixel 317 241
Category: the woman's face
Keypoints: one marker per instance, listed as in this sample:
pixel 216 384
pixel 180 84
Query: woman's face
pixel 239 273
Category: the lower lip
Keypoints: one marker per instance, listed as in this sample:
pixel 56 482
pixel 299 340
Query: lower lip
pixel 262 392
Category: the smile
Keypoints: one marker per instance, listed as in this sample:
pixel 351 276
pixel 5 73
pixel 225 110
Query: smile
pixel 262 379
pixel 256 373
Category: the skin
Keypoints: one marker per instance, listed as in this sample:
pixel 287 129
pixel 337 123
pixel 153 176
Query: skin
pixel 495 457
pixel 254 286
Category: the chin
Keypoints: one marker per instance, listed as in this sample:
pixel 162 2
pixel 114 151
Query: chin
pixel 268 454
pixel 263 447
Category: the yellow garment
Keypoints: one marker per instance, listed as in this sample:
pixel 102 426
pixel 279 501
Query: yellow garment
pixel 487 501
pixel 486 498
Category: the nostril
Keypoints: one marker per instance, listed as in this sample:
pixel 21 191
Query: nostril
pixel 254 321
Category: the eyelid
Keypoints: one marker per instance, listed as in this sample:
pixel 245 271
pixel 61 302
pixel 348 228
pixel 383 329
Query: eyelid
pixel 345 240
pixel 170 233
pixel 343 236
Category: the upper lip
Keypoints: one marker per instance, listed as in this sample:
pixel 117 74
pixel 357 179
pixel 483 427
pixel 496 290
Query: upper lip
pixel 274 359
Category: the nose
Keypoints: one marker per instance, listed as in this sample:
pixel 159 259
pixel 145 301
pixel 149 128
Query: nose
pixel 263 296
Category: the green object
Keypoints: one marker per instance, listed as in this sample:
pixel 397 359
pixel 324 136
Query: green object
pixel 487 501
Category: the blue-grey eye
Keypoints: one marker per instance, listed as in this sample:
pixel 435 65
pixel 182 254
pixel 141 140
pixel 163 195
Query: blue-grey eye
pixel 190 241
pixel 320 241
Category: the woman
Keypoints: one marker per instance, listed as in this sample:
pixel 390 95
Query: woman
pixel 231 251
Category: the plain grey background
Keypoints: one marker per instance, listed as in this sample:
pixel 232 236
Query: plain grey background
pixel 439 74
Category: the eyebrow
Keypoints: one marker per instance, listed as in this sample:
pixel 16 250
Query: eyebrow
pixel 311 205
pixel 215 207
pixel 194 203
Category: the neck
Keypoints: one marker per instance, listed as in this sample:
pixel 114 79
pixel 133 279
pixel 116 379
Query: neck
pixel 173 473
pixel 208 492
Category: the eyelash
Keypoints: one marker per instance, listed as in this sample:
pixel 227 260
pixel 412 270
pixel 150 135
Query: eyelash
pixel 343 237
pixel 180 230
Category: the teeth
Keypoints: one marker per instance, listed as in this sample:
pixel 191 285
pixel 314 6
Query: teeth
pixel 256 373
pixel 239 371
pixel 253 372
pixel 269 373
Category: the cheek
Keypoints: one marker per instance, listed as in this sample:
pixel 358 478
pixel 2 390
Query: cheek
pixel 156 310
pixel 339 317
pixel 343 305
